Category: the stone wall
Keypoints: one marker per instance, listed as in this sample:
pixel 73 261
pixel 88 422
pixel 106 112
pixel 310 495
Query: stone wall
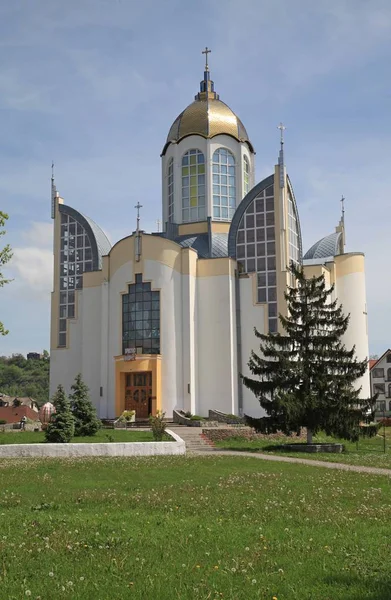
pixel 220 417
pixel 222 433
pixel 100 449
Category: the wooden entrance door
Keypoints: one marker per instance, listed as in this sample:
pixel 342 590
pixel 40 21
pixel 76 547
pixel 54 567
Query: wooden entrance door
pixel 138 394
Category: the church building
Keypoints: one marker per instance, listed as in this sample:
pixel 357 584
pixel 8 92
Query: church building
pixel 164 321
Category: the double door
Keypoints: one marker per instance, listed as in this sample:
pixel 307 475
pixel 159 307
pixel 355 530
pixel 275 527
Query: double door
pixel 138 393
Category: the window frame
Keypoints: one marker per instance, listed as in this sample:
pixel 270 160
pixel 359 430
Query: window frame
pixel 224 195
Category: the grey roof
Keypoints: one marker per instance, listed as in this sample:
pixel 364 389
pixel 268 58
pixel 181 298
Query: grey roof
pixel 99 243
pixel 200 243
pixel 327 247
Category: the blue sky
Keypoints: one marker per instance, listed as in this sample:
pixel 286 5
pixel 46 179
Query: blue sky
pixel 95 85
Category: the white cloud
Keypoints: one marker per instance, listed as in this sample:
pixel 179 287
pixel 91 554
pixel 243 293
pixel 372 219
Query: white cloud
pixel 32 269
pixel 40 234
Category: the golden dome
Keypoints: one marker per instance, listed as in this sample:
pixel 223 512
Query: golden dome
pixel 207 116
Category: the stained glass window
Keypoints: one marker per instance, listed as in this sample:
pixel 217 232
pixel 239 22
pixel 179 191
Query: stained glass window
pixel 246 175
pixel 256 250
pixel 224 185
pixel 75 259
pixel 193 186
pixel 170 183
pixel 141 318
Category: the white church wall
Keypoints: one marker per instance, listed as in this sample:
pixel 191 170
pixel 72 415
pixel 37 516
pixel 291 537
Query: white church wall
pixel 169 282
pixel 216 344
pixel 91 346
pixel 251 315
pixel 66 363
pixel 118 285
pixel 189 343
pixel 351 293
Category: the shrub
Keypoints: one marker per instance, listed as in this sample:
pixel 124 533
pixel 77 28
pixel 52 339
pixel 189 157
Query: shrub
pixel 370 429
pixel 197 418
pixel 84 413
pixel 61 428
pixel 3 422
pixel 126 416
pixel 158 426
pixel 386 422
pixel 188 414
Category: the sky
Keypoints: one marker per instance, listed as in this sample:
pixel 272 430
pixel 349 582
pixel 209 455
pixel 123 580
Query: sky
pixel 94 85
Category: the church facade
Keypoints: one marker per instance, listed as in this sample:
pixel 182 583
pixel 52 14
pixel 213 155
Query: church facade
pixel 164 321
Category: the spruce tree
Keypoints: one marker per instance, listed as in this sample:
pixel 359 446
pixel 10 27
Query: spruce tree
pixel 305 375
pixel 61 428
pixel 84 413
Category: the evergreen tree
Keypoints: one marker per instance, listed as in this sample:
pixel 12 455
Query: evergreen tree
pixel 84 413
pixel 61 428
pixel 305 376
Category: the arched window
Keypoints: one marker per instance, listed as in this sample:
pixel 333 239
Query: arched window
pixel 389 406
pixel 246 175
pixel 193 186
pixel 389 374
pixel 389 392
pixel 224 185
pixel 170 184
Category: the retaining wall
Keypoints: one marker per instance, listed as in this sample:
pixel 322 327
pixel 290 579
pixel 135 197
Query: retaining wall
pixel 100 449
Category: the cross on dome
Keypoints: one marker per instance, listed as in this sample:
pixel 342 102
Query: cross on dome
pixel 206 52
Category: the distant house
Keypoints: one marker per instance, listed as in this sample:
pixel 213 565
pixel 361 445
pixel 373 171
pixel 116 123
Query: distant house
pixel 380 373
pixel 12 414
pixel 6 401
pixel 34 356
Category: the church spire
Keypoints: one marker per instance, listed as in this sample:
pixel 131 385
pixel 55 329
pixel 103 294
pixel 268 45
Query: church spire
pixel 341 227
pixel 281 162
pixel 54 194
pixel 207 86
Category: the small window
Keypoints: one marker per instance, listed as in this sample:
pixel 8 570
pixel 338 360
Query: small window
pixel 389 357
pixel 389 374
pixel 378 373
pixel 379 388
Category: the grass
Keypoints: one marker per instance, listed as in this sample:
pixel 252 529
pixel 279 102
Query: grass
pixel 205 528
pixel 369 451
pixel 103 435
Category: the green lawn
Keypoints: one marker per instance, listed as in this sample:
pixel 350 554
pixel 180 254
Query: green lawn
pixel 368 452
pixel 181 528
pixel 103 435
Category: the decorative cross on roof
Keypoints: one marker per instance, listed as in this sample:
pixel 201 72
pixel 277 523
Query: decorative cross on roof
pixel 282 128
pixel 206 52
pixel 138 206
pixel 343 206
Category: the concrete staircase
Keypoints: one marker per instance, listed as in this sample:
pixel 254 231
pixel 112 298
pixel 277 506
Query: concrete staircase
pixel 192 438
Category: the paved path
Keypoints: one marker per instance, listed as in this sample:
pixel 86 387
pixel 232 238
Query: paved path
pixel 302 461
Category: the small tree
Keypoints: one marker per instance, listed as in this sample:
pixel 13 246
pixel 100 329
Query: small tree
pixel 61 428
pixel 84 413
pixel 305 376
pixel 158 425
pixel 5 256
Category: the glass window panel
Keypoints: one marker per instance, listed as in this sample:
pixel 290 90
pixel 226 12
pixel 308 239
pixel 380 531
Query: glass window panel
pixel 260 235
pixel 272 294
pixel 271 278
pixel 240 239
pixel 261 279
pixel 240 252
pixel 262 295
pixel 71 311
pixel 249 220
pixel 271 247
pixel 251 265
pixel 272 309
pixel 62 339
pixel 271 263
pixel 260 249
pixel 273 325
pixel 250 235
pixel 269 204
pixel 251 250
pixel 270 234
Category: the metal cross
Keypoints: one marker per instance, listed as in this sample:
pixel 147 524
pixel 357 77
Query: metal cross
pixel 206 52
pixel 158 223
pixel 343 206
pixel 138 206
pixel 282 128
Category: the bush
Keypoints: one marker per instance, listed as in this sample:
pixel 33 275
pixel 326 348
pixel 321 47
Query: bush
pixel 188 414
pixel 158 426
pixel 126 416
pixel 61 428
pixel 197 418
pixel 386 422
pixel 3 421
pixel 370 429
pixel 84 413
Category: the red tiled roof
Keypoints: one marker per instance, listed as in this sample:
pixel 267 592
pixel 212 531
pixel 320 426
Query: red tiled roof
pixel 372 362
pixel 14 414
